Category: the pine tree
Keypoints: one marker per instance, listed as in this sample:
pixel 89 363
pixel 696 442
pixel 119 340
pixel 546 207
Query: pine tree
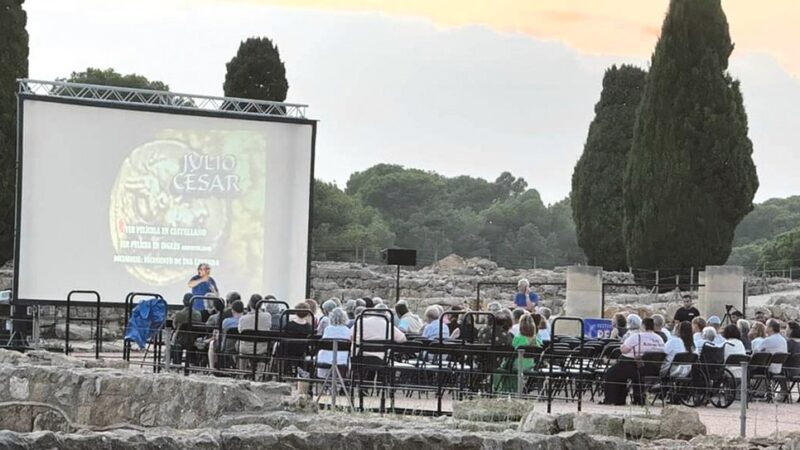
pixel 13 65
pixel 597 180
pixel 256 72
pixel 690 177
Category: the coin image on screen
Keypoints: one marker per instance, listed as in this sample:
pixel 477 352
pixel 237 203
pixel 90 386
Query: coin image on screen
pixel 160 224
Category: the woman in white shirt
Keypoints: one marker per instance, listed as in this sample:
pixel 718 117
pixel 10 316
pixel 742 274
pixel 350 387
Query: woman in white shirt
pixel 336 329
pixel 757 334
pixel 733 346
pixel 681 342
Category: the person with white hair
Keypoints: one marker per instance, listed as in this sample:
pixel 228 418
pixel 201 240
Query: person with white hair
pixel 327 306
pixel 525 297
pixel 634 323
pixel 433 327
pixel 336 329
pixel 493 307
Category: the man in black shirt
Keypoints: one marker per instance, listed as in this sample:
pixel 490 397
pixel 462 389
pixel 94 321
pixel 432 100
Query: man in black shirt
pixel 687 312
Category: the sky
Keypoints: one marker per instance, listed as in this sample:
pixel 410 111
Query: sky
pixel 469 87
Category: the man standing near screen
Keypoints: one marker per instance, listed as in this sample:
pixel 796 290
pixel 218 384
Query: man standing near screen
pixel 202 284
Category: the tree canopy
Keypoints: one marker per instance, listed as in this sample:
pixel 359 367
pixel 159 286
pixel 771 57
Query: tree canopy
pixel 256 72
pixel 438 215
pixel 110 77
pixel 597 179
pixel 690 177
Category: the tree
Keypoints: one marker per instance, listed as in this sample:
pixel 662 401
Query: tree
pixel 597 179
pixel 110 77
pixel 690 177
pixel 13 65
pixel 768 219
pixel 341 225
pixel 256 72
pixel 782 252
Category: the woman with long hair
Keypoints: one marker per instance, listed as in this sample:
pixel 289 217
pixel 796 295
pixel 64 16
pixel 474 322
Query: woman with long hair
pixel 681 342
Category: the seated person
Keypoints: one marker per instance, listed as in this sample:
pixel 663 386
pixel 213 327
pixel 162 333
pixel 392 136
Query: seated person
pixel 681 342
pixel 376 328
pixel 733 346
pixel 336 329
pixel 773 343
pixel 327 306
pixel 633 348
pixel 709 338
pixel 408 322
pixel 660 329
pixel 793 338
pixel 620 326
pixel 499 328
pixel 183 339
pixel 757 334
pixel 229 345
pixel 698 325
pixel 432 328
pixel 237 309
pixel 715 323
pixel 516 315
pixel 544 331
pixel 300 323
pixel 248 322
pixel 464 328
pixel 525 298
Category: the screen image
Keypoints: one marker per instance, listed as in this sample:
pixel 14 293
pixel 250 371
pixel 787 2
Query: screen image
pixel 120 200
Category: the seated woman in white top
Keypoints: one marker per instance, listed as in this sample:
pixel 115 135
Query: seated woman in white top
pixel 336 329
pixel 680 342
pixel 757 334
pixel 733 346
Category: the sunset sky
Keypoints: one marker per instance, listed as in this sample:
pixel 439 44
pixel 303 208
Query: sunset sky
pixel 468 87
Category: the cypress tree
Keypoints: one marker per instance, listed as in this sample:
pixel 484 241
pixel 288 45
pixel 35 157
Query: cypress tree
pixel 256 72
pixel 13 65
pixel 690 177
pixel 597 179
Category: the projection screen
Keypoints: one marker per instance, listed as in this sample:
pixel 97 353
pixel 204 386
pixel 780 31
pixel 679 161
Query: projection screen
pixel 119 200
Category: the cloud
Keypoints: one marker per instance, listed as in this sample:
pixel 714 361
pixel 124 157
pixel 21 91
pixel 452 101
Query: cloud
pixel 608 27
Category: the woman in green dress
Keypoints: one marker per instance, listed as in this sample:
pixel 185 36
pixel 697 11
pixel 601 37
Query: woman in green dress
pixel 527 337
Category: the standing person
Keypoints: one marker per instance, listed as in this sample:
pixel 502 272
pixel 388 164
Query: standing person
pixel 525 297
pixel 202 284
pixel 687 313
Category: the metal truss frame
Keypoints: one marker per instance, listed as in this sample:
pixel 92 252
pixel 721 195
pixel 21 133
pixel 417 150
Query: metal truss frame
pixel 162 99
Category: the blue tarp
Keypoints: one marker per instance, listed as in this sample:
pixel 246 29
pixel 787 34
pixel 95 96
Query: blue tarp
pixel 147 318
